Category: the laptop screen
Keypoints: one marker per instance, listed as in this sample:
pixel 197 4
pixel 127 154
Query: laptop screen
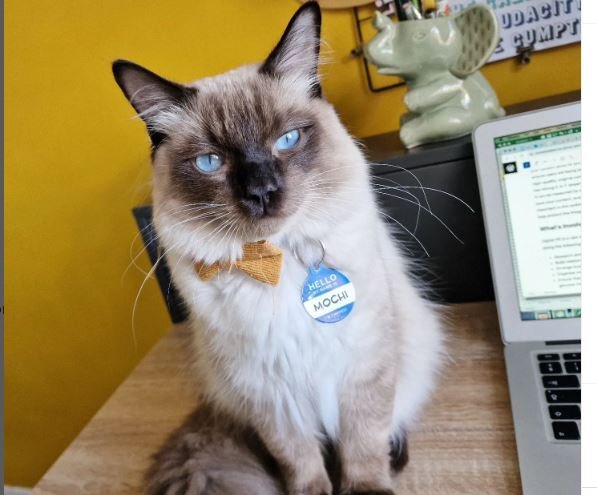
pixel 540 174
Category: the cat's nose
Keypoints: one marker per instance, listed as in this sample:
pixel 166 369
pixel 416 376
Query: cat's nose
pixel 261 199
pixel 258 185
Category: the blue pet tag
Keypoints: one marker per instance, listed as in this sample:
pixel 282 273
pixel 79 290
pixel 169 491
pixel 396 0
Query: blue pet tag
pixel 328 295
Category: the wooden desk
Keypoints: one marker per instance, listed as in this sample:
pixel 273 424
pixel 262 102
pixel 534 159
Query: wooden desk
pixel 463 445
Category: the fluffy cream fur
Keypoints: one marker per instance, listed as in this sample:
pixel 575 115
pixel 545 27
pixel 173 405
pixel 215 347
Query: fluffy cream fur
pixel 260 356
pixel 261 359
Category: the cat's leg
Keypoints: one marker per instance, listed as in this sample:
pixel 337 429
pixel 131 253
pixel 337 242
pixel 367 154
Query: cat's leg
pixel 421 357
pixel 398 452
pixel 300 459
pixel 365 429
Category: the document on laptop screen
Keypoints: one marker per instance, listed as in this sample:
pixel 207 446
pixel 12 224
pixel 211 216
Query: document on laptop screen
pixel 540 175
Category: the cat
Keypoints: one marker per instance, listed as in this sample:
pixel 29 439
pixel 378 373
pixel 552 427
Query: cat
pixel 258 154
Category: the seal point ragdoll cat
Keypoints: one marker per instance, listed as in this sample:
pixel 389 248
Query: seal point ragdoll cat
pixel 258 154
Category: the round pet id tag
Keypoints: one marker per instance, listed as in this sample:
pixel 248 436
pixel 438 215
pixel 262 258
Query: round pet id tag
pixel 328 295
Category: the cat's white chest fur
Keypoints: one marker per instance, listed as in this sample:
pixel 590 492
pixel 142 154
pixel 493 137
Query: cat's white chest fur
pixel 279 353
pixel 260 355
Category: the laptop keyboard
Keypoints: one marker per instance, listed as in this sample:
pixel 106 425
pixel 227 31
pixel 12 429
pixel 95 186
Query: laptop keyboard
pixel 560 374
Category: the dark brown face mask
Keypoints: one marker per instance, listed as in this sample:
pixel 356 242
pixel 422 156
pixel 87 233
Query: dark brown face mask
pixel 238 140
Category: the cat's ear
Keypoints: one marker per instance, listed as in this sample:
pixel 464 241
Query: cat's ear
pixel 149 94
pixel 297 53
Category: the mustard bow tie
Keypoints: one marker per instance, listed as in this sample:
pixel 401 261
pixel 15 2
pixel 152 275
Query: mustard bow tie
pixel 261 261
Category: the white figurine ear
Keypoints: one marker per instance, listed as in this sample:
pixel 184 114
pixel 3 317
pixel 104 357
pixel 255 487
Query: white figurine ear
pixel 480 35
pixel 381 21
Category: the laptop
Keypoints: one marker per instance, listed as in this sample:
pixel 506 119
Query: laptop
pixel 529 172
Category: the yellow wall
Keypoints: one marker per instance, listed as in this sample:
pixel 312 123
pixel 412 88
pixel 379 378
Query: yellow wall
pixel 75 164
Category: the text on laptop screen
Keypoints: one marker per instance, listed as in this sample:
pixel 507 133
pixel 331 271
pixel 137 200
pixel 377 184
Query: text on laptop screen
pixel 540 176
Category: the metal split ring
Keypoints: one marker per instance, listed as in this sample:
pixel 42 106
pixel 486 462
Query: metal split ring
pixel 319 262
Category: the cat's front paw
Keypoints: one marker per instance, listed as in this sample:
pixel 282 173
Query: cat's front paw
pixel 319 486
pixel 370 492
pixel 378 487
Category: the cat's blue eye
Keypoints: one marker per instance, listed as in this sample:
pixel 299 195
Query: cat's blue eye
pixel 288 140
pixel 208 163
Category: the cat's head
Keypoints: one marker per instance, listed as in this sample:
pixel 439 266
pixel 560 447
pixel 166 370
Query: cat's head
pixel 248 154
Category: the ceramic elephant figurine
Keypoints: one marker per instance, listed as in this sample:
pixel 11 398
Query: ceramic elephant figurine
pixel 439 60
